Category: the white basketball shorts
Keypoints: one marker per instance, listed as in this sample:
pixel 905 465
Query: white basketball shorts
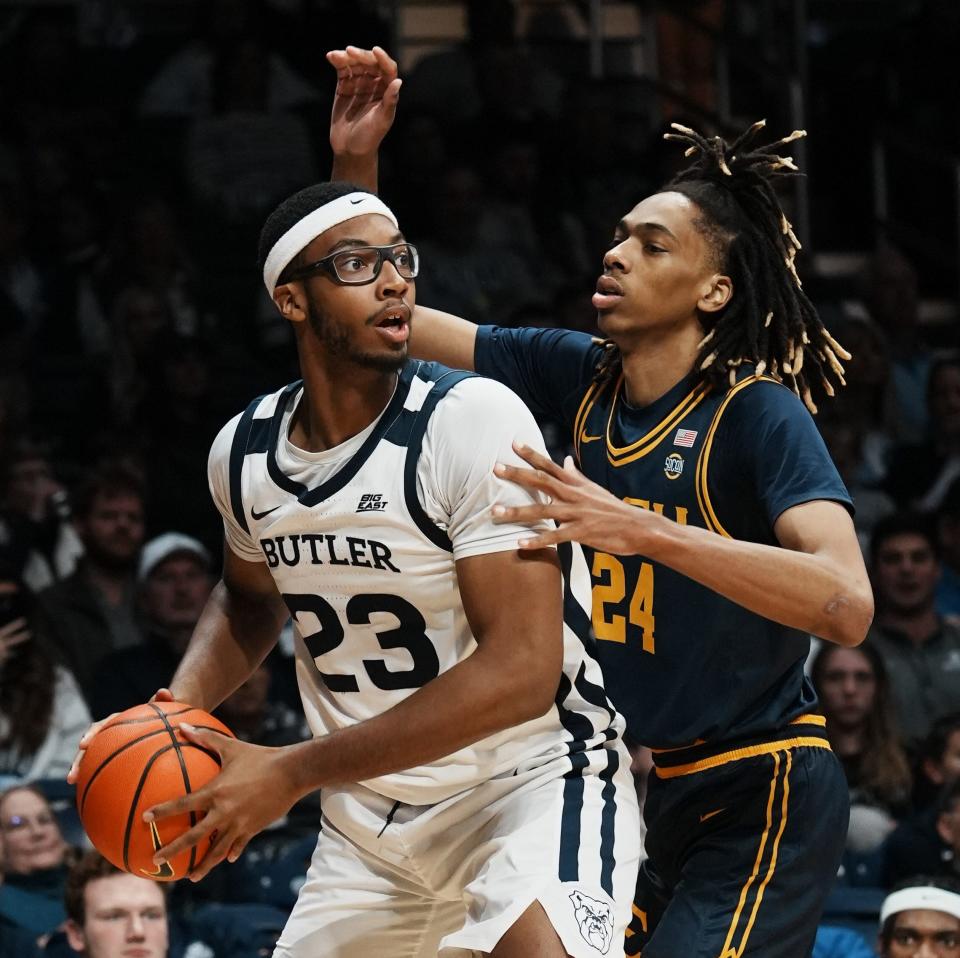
pixel 450 879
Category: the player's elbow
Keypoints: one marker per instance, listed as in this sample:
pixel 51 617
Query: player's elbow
pixel 535 688
pixel 847 616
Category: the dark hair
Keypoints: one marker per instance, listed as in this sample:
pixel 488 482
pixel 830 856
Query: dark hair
pixel 769 321
pixel 295 208
pixel 27 686
pixel 936 739
pixel 89 868
pixel 110 480
pixel 945 882
pixel 902 523
pixel 949 797
pixel 884 768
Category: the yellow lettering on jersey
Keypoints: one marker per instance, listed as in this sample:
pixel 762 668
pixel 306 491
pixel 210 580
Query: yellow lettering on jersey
pixel 680 512
pixel 611 590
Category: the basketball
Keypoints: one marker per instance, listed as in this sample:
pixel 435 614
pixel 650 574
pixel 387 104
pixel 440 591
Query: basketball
pixel 139 760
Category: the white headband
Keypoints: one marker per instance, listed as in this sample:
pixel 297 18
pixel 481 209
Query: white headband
pixel 931 899
pixel 313 224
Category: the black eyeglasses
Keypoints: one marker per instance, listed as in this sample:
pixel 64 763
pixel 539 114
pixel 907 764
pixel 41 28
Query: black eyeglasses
pixel 361 265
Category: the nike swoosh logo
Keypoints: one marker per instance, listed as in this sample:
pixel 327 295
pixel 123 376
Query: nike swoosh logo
pixel 584 438
pixel 257 516
pixel 163 869
pixel 709 815
pixel 354 202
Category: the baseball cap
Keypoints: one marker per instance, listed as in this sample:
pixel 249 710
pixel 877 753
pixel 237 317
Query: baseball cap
pixel 162 547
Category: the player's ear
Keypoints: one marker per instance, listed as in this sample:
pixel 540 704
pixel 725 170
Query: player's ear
pixel 715 294
pixel 75 936
pixel 286 299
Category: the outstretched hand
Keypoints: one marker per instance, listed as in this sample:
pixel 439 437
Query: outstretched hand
pixel 365 102
pixel 583 511
pixel 251 790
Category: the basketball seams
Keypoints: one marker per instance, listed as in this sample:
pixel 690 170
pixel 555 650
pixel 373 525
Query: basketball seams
pixel 105 762
pixel 126 760
pixel 183 772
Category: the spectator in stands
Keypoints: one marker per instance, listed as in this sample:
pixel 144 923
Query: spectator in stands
pixel 113 914
pixel 948 827
pixel 921 919
pixel 34 514
pixel 93 611
pixel 889 290
pixel 948 533
pixel 920 650
pixel 33 862
pixel 175 580
pixel 184 85
pixel 855 696
pixel 917 845
pixel 484 283
pixel 921 473
pixel 42 713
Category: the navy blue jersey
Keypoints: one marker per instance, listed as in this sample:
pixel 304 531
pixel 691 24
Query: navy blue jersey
pixel 682 663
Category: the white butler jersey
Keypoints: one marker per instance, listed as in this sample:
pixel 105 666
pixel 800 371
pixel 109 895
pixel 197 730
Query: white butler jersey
pixel 362 541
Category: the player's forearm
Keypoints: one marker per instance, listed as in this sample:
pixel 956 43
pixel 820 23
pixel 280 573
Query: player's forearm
pixel 443 338
pixel 478 697
pixel 360 169
pixel 810 592
pixel 231 639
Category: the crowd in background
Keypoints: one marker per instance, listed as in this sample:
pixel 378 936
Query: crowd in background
pixel 136 168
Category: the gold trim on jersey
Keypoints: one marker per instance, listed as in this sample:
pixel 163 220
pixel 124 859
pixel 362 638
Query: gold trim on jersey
pixel 582 414
pixel 703 492
pixel 773 812
pixel 621 455
pixel 734 755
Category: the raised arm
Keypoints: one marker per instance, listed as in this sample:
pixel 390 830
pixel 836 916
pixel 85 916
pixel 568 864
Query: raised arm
pixel 364 109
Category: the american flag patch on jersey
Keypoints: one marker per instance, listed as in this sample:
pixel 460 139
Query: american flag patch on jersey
pixel 685 437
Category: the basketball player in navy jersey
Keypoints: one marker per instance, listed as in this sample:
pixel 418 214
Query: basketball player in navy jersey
pixel 476 794
pixel 717 530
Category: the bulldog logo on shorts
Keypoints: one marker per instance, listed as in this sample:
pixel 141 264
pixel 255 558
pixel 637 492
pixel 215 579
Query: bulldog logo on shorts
pixel 595 919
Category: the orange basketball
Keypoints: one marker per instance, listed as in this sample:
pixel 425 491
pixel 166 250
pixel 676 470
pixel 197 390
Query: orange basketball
pixel 135 762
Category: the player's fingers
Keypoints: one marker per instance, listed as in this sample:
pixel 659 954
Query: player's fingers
pixel 538 460
pixel 181 843
pixel 365 58
pixel 206 738
pixel 222 843
pixel 391 97
pixel 237 849
pixel 386 63
pixel 543 540
pixel 502 514
pixel 337 58
pixel 16 636
pixel 163 695
pixel 528 478
pixel 12 628
pixel 197 801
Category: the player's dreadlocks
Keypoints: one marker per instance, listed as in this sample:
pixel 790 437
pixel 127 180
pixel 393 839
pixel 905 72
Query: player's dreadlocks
pixel 769 320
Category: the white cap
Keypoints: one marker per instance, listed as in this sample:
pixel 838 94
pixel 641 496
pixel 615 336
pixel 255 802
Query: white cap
pixel 924 897
pixel 164 546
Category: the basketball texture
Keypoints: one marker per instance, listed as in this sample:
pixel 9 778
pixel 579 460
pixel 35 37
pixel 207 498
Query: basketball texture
pixel 139 759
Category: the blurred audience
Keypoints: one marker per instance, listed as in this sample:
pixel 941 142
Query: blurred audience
pixel 855 697
pixel 174 579
pixel 93 611
pixel 920 649
pixel 34 515
pixel 42 712
pixel 948 533
pixel 921 917
pixel 921 472
pixel 33 862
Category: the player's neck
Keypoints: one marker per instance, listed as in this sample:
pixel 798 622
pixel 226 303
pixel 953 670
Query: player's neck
pixel 335 407
pixel 655 360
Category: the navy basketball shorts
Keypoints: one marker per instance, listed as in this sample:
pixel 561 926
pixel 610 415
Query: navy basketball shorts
pixel 742 854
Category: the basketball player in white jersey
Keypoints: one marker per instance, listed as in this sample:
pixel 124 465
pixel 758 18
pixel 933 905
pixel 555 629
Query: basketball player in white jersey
pixel 475 790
